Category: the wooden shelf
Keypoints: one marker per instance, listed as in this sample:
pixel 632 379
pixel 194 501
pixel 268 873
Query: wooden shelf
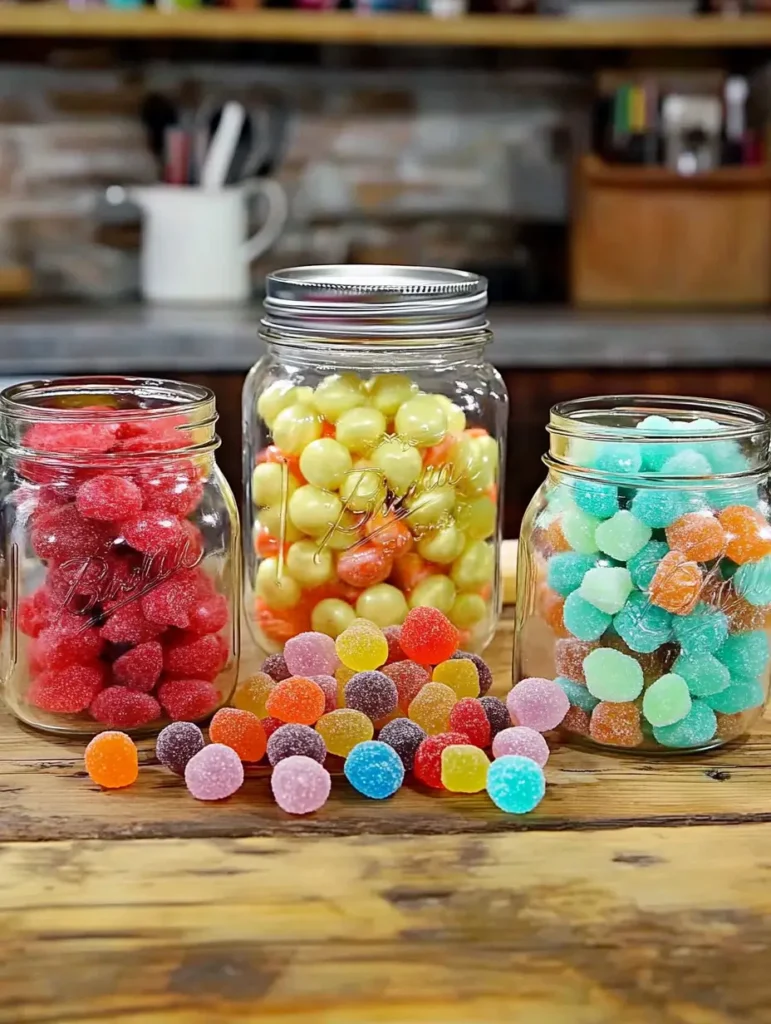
pixel 56 20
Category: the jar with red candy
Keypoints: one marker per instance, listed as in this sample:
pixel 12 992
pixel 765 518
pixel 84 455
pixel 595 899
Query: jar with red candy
pixel 120 555
pixel 375 436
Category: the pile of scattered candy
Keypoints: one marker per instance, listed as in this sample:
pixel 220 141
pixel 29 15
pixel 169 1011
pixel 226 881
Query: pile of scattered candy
pixel 126 626
pixel 411 686
pixel 659 594
pixel 384 499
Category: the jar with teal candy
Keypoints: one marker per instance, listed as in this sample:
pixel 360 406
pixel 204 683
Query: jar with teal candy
pixel 375 435
pixel 644 571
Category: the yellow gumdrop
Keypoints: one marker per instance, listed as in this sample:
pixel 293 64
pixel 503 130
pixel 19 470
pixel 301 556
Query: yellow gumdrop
pixel 383 604
pixel 252 693
pixel 343 675
pixel 309 565
pixel 279 395
pixel 467 610
pixel 277 589
pixel 268 482
pixel 338 394
pixel 271 518
pixel 434 592
pixel 363 489
pixel 475 567
pixel 443 545
pixel 325 462
pixel 460 674
pixel 389 391
pixel 464 769
pixel 295 427
pixel 313 510
pixel 421 420
pixel 332 616
pixel 362 646
pixel 342 729
pixel 456 418
pixel 431 707
pixel 400 464
pixel 361 430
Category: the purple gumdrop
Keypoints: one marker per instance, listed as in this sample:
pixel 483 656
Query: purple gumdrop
pixel 214 773
pixel 405 736
pixel 292 739
pixel 275 666
pixel 329 685
pixel 311 654
pixel 373 693
pixel 519 739
pixel 300 785
pixel 497 714
pixel 483 669
pixel 540 704
pixel 177 743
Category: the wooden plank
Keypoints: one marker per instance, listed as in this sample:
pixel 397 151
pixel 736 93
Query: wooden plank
pixel 633 927
pixel 56 20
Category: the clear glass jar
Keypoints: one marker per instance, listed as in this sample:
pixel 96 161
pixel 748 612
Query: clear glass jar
pixel 644 571
pixel 120 555
pixel 375 438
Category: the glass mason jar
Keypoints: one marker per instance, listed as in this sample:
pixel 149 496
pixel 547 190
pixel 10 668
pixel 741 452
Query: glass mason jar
pixel 120 555
pixel 375 438
pixel 644 571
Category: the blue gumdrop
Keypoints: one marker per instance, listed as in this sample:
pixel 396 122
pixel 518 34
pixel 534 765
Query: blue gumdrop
pixel 582 619
pixel 655 454
pixel 374 769
pixel 697 728
pixel 642 566
pixel 703 631
pixel 739 696
pixel 753 581
pixel 745 655
pixel 687 462
pixel 703 673
pixel 565 571
pixel 659 508
pixel 724 456
pixel 577 694
pixel 641 625
pixel 599 500
pixel 619 457
pixel 515 784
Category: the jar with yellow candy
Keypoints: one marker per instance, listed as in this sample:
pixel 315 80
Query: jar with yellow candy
pixel 375 436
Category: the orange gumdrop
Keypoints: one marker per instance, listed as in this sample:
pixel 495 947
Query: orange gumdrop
pixel 555 538
pixel 698 536
pixel 112 760
pixel 618 725
pixel 748 535
pixel 410 569
pixel 677 584
pixel 296 699
pixel 281 625
pixel 389 533
pixel 266 545
pixel 364 565
pixel 552 605
pixel 240 730
pixel 576 720
pixel 327 429
pixel 274 454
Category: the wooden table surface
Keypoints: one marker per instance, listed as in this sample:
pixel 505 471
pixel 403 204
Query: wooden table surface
pixel 639 891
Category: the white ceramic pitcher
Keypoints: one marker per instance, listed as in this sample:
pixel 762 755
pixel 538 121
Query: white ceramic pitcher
pixel 194 244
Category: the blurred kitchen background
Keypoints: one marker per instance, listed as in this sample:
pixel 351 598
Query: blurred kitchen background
pixel 605 163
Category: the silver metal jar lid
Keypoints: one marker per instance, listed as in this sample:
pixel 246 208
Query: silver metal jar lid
pixel 373 303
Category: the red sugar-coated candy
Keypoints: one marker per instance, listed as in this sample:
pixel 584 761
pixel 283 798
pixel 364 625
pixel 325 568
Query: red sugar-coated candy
pixel 172 600
pixel 176 490
pixel 395 652
pixel 119 707
pixel 141 667
pixel 191 546
pixel 69 641
pixel 428 757
pixel 205 656
pixel 270 725
pixel 296 699
pixel 35 613
pixel 105 577
pixel 63 534
pixel 68 690
pixel 108 497
pixel 239 730
pixel 209 616
pixel 364 565
pixel 275 666
pixel 409 677
pixel 468 716
pixel 127 625
pixel 152 532
pixel 428 636
pixel 187 699
pixel 70 437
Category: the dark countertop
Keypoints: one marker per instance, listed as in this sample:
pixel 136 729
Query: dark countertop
pixel 58 340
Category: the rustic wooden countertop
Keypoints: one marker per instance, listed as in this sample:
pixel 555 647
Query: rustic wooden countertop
pixel 639 891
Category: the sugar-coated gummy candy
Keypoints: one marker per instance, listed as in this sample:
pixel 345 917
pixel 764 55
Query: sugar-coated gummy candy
pixel 62 533
pixel 251 693
pixel 703 631
pixel 108 497
pixel 188 699
pixel 619 457
pixel 578 532
pixel 676 584
pixel 175 490
pixel 521 741
pixel 697 535
pixel 607 588
pixel 745 655
pixel 343 729
pixel 697 728
pixel 428 636
pixel 752 581
pixel 431 707
pixel 659 508
pixel 468 716
pixel 140 668
pixel 643 626
pixel 686 462
pixel 741 695
pixel 276 667
pixel 599 500
pixel 374 769
pixel 427 766
pixel 569 655
pixel 616 725
pixel 483 669
pixel 126 624
pixel 152 533
pixel 393 637
pixel 373 693
pixel 191 655
pixel 177 743
pixel 329 686
pixel 309 654
pixel 703 673
pixel 171 601
pixel 291 740
pixel 667 700
pixel 300 784
pixel 405 736
pixel 497 714
pixel 362 646
pixel 409 678
pixel 613 676
pixel 583 620
pixel 460 675
pixel 66 691
pixel 210 615
pixel 68 641
pixel 240 730
pixel 270 725
pixel 537 703
pixel 515 784
pixel 622 536
pixel 214 773
pixel 464 769
pixel 296 699
pixel 642 566
pixel 576 720
pixel 120 708
pixel 551 607
pixel 577 694
pixel 748 535
pixel 112 760
pixel 565 572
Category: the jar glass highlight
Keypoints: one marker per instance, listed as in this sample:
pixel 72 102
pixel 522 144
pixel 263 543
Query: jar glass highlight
pixel 644 571
pixel 120 555
pixel 375 439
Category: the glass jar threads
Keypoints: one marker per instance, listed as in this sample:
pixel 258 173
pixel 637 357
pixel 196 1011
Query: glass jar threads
pixel 120 555
pixel 644 571
pixel 375 438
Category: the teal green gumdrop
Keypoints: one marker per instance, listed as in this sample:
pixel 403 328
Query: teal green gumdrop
pixel 578 529
pixel 697 728
pixel 607 588
pixel 577 694
pixel 667 701
pixel 687 462
pixel 703 673
pixel 745 655
pixel 622 536
pixel 753 581
pixel 619 457
pixel 659 508
pixel 703 631
pixel 656 453
pixel 582 619
pixel 565 571
pixel 641 625
pixel 642 566
pixel 613 676
pixel 599 500
pixel 739 696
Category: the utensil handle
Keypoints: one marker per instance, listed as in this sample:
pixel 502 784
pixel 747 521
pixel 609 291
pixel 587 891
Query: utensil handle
pixel 278 211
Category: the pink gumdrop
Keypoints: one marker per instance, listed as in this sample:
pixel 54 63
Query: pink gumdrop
pixel 300 785
pixel 539 704
pixel 519 739
pixel 328 685
pixel 214 773
pixel 310 654
pixel 108 497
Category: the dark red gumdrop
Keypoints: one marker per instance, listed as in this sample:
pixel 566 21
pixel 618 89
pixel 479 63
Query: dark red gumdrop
pixel 210 616
pixel 62 534
pixel 428 757
pixel 152 533
pixel 141 667
pixel 120 708
pixel 188 699
pixel 69 640
pixel 66 691
pixel 127 625
pixel 205 656
pixel 108 497
pixel 171 601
